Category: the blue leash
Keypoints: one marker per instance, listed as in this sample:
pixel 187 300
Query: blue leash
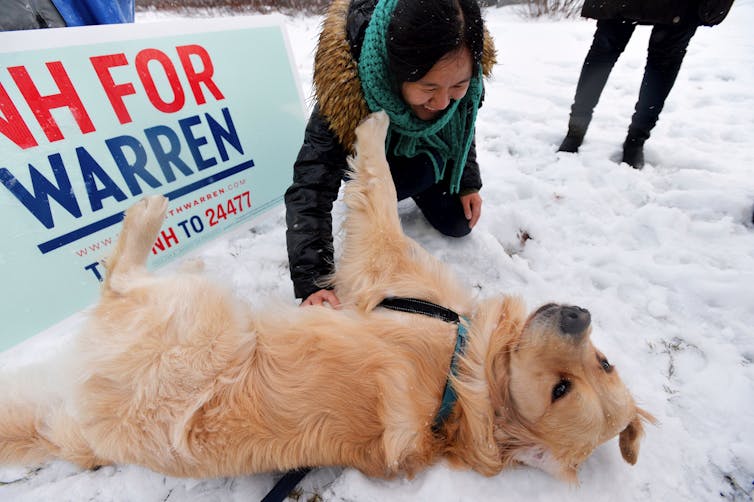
pixel 449 396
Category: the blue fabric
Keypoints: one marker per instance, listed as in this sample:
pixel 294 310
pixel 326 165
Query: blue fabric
pixel 449 396
pixel 86 12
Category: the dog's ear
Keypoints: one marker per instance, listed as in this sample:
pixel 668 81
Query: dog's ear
pixel 630 438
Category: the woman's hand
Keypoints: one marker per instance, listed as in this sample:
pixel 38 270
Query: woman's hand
pixel 472 207
pixel 321 297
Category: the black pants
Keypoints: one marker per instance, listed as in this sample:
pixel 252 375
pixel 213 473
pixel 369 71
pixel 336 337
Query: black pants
pixel 415 178
pixel 667 47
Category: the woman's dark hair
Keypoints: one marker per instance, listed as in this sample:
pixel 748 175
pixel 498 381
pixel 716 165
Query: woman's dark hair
pixel 421 32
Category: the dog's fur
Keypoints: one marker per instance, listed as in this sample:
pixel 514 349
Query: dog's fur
pixel 178 376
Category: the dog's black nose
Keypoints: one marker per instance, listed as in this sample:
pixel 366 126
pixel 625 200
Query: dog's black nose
pixel 574 320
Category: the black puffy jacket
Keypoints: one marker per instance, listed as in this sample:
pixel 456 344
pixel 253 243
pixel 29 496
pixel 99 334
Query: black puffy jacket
pixel 707 12
pixel 321 166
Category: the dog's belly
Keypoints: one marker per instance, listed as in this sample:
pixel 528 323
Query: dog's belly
pixel 192 393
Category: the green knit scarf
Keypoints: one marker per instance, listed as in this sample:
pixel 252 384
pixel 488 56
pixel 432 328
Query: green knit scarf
pixel 448 137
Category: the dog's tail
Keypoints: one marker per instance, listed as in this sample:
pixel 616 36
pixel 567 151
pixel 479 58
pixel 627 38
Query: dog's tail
pixel 21 440
pixel 36 424
pixel 31 434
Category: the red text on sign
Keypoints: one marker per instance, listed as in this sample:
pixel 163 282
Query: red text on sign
pixel 224 210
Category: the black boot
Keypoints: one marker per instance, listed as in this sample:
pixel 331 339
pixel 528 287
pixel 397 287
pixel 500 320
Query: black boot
pixel 633 152
pixel 571 142
pixel 576 131
pixel 667 47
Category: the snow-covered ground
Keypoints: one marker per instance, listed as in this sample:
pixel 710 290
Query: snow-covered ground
pixel 663 258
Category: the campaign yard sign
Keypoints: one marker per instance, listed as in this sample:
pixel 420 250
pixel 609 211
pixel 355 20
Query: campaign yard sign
pixel 208 113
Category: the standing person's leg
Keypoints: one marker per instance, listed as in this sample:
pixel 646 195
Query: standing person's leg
pixel 667 47
pixel 610 40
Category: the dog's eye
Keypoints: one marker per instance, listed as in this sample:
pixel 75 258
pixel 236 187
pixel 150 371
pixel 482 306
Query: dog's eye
pixel 606 365
pixel 560 389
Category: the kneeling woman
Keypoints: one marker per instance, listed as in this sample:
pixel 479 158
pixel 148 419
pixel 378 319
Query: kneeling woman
pixel 420 61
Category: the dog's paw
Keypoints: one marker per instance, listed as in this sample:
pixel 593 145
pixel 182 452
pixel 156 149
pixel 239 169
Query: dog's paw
pixel 157 206
pixel 147 214
pixel 372 131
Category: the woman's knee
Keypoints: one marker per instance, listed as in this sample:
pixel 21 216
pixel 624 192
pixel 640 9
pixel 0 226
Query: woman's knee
pixel 443 210
pixel 449 224
pixel 460 229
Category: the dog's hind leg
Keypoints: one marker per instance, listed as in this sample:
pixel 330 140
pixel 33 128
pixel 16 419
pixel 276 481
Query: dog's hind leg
pixel 140 228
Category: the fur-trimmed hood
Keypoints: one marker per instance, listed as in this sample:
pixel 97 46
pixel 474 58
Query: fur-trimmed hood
pixel 337 85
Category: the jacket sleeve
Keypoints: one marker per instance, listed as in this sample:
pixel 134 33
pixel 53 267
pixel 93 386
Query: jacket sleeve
pixel 471 179
pixel 29 15
pixel 642 11
pixel 317 174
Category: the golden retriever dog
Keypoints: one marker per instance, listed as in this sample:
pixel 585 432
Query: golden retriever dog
pixel 173 373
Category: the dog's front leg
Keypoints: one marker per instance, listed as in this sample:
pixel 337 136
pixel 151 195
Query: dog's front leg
pixel 370 194
pixel 374 243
